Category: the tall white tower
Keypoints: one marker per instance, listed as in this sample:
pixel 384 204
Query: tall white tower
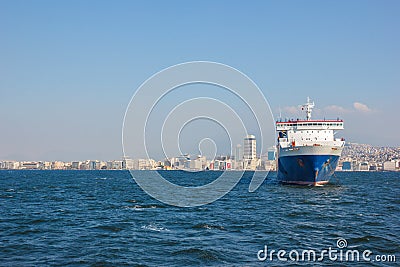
pixel 249 148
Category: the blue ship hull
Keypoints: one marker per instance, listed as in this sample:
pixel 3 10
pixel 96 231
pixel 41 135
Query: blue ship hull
pixel 306 169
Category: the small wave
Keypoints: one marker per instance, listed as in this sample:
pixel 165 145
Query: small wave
pixel 153 227
pixel 27 231
pixel 200 253
pixel 6 196
pixel 297 214
pixel 140 207
pixel 202 209
pixel 364 239
pixel 38 221
pixel 304 226
pixel 151 206
pixel 309 202
pixel 135 207
pixel 131 201
pixel 373 223
pixel 208 226
pixel 143 207
pixel 110 228
pixel 343 203
pixel 391 208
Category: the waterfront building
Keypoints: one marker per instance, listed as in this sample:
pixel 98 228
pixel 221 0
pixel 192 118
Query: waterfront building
pixel 75 165
pixel 239 153
pixel 29 165
pixel 94 165
pixel 249 148
pixel 237 164
pixel 389 165
pixel 271 153
pixel 127 164
pixel 347 166
pixel 84 166
pixel 195 164
pixel 144 164
pixel 116 164
pixel 250 152
pixel 216 165
pixel 57 165
pixel 373 166
pixel 363 166
pixel 9 165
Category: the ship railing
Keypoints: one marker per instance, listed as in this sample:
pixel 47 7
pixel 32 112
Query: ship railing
pixel 296 120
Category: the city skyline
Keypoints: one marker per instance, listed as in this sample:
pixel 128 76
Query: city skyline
pixel 356 157
pixel 69 69
pixel 353 153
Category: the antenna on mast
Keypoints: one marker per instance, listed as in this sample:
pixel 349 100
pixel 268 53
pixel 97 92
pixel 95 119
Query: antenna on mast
pixel 308 108
pixel 280 113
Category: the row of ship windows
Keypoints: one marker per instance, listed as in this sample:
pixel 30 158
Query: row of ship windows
pixel 310 139
pixel 312 131
pixel 312 124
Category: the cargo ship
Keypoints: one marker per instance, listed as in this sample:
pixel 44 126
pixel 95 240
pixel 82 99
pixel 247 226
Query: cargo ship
pixel 307 150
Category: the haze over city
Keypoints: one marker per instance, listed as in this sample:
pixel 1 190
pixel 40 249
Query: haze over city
pixel 69 69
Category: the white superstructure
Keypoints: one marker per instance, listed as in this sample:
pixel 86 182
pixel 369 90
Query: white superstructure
pixel 298 133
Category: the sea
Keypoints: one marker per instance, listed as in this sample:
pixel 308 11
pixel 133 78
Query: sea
pixel 103 218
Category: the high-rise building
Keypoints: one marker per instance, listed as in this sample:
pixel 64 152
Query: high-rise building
pixel 250 161
pixel 249 148
pixel 238 153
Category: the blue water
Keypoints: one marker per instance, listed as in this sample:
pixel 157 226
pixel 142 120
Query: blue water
pixel 103 218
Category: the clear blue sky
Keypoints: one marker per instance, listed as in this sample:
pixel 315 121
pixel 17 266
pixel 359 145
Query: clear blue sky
pixel 69 68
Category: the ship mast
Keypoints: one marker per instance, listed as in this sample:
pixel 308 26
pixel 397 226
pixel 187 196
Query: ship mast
pixel 308 108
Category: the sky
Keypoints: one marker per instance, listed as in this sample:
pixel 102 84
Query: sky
pixel 68 69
